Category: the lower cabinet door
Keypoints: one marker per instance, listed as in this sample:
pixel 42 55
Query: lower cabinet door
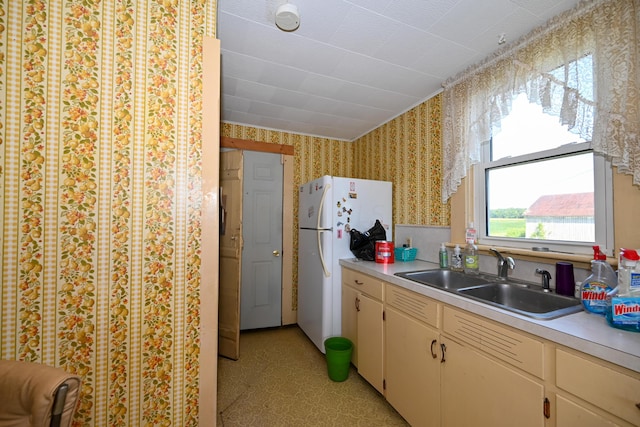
pixel 492 394
pixel 412 369
pixel 350 319
pixel 570 414
pixel 370 341
pixel 599 383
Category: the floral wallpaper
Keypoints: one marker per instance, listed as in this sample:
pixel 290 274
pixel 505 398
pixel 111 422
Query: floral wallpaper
pixel 100 170
pixel 405 151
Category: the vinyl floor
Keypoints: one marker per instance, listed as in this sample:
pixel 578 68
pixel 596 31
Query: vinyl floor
pixel 281 380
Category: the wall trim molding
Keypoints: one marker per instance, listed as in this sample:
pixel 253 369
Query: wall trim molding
pixel 289 313
pixel 265 147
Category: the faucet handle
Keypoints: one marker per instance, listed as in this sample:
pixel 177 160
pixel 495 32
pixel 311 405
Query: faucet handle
pixel 510 262
pixel 503 260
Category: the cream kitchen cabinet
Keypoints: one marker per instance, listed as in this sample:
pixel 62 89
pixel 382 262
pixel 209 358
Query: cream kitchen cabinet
pixel 479 391
pixel 362 323
pixel 350 318
pixel 412 362
pixel 491 375
pixel 459 379
pixel 593 392
pixel 446 366
pixel 572 414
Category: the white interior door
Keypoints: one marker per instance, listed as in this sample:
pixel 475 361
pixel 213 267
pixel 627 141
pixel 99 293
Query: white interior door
pixel 230 250
pixel 261 278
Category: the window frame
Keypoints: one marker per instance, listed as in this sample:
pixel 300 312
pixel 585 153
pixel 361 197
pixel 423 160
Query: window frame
pixel 603 201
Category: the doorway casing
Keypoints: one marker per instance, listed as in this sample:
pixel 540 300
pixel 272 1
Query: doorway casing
pixel 289 315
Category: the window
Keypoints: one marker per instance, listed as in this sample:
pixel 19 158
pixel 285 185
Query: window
pixel 540 185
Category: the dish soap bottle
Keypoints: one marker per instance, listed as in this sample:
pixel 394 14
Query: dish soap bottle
pixel 601 282
pixel 471 258
pixel 623 304
pixel 456 259
pixel 444 256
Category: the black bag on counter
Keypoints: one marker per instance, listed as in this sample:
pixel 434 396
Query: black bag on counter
pixel 363 245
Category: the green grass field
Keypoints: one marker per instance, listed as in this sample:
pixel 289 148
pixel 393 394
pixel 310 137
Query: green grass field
pixel 507 227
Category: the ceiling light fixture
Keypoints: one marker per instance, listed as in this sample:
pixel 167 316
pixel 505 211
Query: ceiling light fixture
pixel 287 17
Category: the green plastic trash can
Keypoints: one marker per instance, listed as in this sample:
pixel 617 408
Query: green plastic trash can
pixel 338 351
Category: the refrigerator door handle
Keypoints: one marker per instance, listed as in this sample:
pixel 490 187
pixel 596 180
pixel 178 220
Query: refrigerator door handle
pixel 327 273
pixel 321 207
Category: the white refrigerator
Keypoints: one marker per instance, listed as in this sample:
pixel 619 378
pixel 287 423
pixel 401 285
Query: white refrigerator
pixel 328 208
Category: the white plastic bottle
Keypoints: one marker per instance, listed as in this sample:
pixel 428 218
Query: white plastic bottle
pixel 623 303
pixel 456 259
pixel 634 280
pixel 628 273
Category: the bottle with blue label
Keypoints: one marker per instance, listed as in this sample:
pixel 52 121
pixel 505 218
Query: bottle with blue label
pixel 629 273
pixel 623 304
pixel 597 287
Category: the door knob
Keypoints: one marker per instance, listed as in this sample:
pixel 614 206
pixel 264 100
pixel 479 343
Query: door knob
pixel 276 253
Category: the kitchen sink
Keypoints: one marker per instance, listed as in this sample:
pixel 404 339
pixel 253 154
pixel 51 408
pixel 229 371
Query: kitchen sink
pixel 522 298
pixel 444 279
pixel 528 301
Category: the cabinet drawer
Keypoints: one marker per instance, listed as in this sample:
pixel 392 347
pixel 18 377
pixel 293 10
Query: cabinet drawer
pixel 416 305
pixel 365 284
pixel 503 343
pixel 607 388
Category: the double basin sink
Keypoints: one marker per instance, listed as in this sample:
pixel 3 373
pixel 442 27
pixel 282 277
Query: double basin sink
pixel 525 299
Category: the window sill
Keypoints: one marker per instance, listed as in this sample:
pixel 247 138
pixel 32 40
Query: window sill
pixel 580 261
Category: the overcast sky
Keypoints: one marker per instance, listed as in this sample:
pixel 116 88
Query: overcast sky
pixel 529 127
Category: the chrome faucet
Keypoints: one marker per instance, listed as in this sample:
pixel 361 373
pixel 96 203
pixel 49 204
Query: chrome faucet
pixel 504 264
pixel 546 276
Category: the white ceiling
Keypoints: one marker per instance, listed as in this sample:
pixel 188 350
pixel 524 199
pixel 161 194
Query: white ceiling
pixel 356 64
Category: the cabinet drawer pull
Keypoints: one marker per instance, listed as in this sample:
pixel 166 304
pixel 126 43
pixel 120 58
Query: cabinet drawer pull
pixel 444 350
pixel 357 304
pixel 358 282
pixel 433 353
pixel 638 405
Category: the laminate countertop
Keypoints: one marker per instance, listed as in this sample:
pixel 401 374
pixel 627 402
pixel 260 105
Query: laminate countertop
pixel 583 331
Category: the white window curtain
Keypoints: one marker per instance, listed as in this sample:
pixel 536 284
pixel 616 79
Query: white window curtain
pixel 476 100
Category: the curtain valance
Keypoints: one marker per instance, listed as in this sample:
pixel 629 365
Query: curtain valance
pixel 548 65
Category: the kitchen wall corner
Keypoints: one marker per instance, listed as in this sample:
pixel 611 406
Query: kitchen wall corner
pixel 426 239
